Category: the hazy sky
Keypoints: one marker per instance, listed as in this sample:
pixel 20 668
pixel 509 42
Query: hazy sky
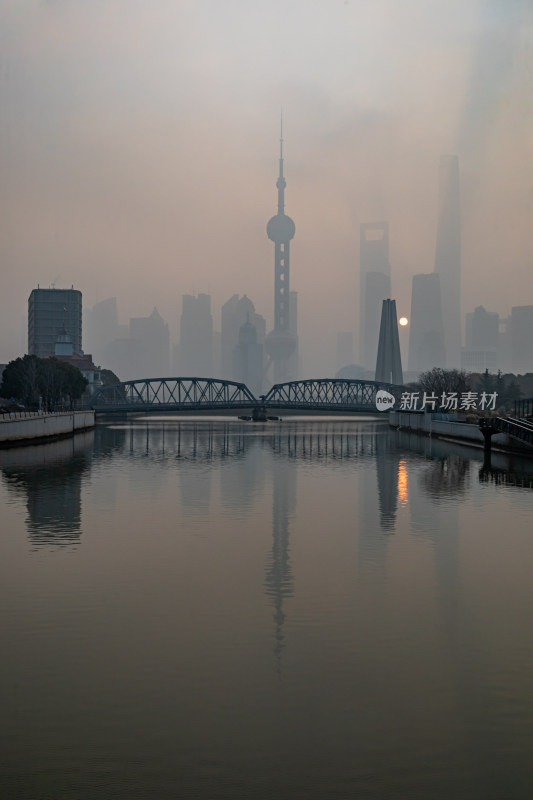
pixel 139 146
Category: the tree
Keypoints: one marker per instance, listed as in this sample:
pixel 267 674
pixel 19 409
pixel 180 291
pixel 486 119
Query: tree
pixel 506 387
pixel 20 380
pixel 439 381
pixel 49 381
pixel 73 382
pixel 486 383
pixel 108 377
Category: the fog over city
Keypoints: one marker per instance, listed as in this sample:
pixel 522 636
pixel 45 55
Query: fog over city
pixel 139 145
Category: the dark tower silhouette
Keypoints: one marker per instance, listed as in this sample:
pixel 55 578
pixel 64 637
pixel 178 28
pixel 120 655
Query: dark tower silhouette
pixel 448 257
pixel 389 360
pixel 281 342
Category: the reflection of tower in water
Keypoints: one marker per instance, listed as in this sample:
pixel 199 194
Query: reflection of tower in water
pixel 377 499
pixel 278 573
pixel 388 471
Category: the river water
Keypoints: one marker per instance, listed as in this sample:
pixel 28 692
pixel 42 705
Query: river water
pixel 305 609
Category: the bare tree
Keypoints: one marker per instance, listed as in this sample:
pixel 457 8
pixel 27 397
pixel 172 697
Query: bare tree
pixel 439 381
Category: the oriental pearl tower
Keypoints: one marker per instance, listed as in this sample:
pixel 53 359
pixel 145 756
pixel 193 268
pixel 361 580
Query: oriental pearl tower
pixel 281 342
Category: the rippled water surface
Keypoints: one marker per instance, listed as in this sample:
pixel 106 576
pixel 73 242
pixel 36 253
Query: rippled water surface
pixel 306 609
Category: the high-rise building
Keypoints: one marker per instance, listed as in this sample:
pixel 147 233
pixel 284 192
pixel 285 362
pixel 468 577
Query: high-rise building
pixel 195 351
pixel 235 312
pixel 248 358
pixel 281 342
pixel 482 338
pixel 482 328
pixel 448 257
pixel 521 337
pixel 50 311
pixel 101 327
pixel 426 340
pixel 377 289
pixel 374 287
pixel 153 351
pixel 344 350
pixel 389 360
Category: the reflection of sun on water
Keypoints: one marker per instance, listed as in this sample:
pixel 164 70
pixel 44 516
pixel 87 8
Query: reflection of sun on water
pixel 403 494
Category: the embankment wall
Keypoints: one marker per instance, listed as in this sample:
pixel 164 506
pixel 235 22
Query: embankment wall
pixel 459 431
pixel 15 428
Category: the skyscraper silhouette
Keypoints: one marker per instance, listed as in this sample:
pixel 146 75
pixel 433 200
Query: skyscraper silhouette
pixel 234 314
pixel 448 257
pixel 521 330
pixel 195 353
pixel 426 340
pixel 153 345
pixel 374 287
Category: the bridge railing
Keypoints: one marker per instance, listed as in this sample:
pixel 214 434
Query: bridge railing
pixel 518 429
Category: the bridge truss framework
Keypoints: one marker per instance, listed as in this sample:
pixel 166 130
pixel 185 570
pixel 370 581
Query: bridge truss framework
pixel 210 394
pixel 327 394
pixel 173 394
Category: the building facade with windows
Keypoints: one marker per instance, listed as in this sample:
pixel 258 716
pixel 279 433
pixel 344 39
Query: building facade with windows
pixel 50 311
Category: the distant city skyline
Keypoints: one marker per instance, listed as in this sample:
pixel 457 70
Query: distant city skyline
pixel 139 165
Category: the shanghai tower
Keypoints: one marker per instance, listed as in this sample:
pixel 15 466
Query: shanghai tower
pixel 448 257
pixel 281 342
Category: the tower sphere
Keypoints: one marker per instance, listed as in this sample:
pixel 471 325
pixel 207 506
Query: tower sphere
pixel 280 229
pixel 281 344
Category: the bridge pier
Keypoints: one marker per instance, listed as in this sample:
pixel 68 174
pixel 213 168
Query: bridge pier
pixel 488 430
pixel 259 414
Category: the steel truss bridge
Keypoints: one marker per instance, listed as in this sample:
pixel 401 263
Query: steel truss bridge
pixel 209 394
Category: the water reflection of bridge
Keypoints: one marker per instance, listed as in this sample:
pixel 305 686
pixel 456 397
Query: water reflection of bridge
pixel 50 474
pixel 201 441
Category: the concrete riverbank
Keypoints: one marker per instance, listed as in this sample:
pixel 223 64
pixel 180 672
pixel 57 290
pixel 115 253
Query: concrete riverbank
pixel 467 433
pixel 22 427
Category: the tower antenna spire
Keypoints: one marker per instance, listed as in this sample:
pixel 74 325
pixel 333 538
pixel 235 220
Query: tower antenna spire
pixel 281 183
pixel 281 342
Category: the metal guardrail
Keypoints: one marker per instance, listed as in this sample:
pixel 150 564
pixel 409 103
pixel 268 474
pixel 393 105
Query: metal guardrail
pixel 523 408
pixel 7 416
pixel 516 428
